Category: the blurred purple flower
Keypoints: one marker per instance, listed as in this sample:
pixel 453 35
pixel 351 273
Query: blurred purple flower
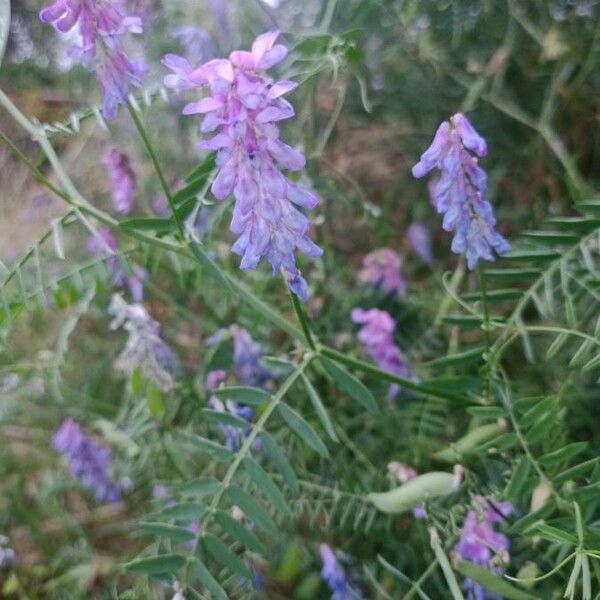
pixel 247 354
pixel 88 462
pixel 102 25
pixel 233 435
pixel 243 108
pixel 122 180
pixel 197 43
pixel 419 238
pixel 383 268
pixel 460 193
pixel 377 338
pixel 145 349
pixel 482 545
pixel 102 245
pixel 334 575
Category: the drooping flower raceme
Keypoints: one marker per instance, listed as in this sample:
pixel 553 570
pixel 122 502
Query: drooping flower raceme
pixel 333 574
pixel 460 193
pixel 104 244
pixel 244 107
pixel 88 462
pixel 145 349
pixel 383 269
pixel 122 180
pixel 102 26
pixel 481 544
pixel 377 338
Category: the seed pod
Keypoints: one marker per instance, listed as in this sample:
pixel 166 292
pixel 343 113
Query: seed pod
pixel 470 443
pixel 414 492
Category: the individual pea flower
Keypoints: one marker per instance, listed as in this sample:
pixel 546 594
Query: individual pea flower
pixel 383 269
pixel 8 557
pixel 481 544
pixel 122 180
pixel 105 244
pixel 377 339
pixel 145 349
pixel 335 576
pixel 419 238
pixel 88 462
pixel 233 435
pixel 403 473
pixel 460 193
pixel 244 107
pixel 102 26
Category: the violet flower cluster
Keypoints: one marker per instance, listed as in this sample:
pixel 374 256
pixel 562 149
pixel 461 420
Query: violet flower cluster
pixel 145 349
pixel 104 244
pixel 382 268
pixel 460 192
pixel 8 557
pixel 247 354
pixel 377 338
pixel 122 180
pixel 88 462
pixel 102 26
pixel 481 544
pixel 244 107
pixel 233 435
pixel 334 575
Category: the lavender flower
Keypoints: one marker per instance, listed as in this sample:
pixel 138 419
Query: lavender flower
pixel 377 339
pixel 419 238
pixel 247 354
pixel 105 244
pixel 482 545
pixel 334 575
pixel 101 25
pixel 122 180
pixel 382 268
pixel 144 349
pixel 233 435
pixel 243 107
pixel 88 462
pixel 460 193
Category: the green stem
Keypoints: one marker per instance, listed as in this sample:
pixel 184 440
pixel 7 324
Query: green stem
pixel 154 158
pixel 303 321
pixel 246 446
pixel 486 329
pixel 386 375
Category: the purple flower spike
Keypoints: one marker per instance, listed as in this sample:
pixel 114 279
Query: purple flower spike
pixel 482 545
pixel 88 462
pixel 102 25
pixel 122 180
pixel 382 268
pixel 460 192
pixel 377 339
pixel 247 354
pixel 333 574
pixel 243 109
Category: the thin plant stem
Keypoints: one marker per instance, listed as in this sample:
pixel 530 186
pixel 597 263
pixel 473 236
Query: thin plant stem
pixel 303 319
pixel 486 330
pixel 155 162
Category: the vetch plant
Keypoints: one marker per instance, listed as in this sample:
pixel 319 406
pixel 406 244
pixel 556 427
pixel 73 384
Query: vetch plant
pixel 238 449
